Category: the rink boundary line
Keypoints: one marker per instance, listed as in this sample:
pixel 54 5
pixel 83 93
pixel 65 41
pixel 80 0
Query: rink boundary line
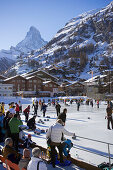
pixel 94 140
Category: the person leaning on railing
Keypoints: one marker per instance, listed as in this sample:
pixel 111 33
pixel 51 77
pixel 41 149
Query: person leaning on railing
pixel 55 133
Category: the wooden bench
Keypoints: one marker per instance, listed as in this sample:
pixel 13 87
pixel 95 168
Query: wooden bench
pixel 8 164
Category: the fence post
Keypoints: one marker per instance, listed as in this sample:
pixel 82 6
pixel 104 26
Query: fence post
pixel 109 157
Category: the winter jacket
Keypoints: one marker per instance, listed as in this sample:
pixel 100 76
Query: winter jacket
pixel 23 163
pixel 17 108
pixel 55 132
pixel 27 110
pixel 109 111
pixel 33 164
pixel 9 150
pixel 13 124
pixel 62 116
pixel 31 122
pixel 58 107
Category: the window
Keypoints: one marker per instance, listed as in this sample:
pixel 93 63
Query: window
pixel 30 85
pixel 23 81
pixel 30 81
pixel 50 85
pixel 18 80
pixel 55 85
pixel 34 81
pixel 46 85
pixel 5 87
pixel 10 88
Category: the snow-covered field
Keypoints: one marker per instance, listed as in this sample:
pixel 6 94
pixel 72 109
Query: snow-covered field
pixel 88 122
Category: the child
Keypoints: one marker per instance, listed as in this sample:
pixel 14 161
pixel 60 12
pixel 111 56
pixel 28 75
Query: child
pixel 28 141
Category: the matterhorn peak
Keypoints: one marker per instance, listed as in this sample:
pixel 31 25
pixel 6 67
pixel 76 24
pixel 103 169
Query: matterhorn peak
pixel 32 41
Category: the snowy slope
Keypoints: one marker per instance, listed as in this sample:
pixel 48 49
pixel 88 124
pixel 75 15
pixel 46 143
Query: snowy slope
pixel 82 45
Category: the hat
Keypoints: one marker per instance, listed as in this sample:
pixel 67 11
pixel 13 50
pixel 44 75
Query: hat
pixel 26 153
pixel 29 135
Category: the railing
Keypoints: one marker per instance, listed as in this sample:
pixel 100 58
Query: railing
pixel 108 144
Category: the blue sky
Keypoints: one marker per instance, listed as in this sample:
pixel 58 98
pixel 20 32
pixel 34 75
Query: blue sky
pixel 48 16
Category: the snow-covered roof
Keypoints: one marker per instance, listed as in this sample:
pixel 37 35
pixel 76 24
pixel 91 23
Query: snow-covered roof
pixel 14 77
pixel 46 82
pixel 27 78
pixel 95 78
pixel 28 74
pixel 1 76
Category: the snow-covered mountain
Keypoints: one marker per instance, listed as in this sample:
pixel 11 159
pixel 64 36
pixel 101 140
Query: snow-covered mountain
pixel 32 41
pixel 83 45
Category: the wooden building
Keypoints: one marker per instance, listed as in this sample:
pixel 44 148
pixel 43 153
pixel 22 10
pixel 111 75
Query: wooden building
pixel 73 88
pixel 52 87
pixel 42 74
pixel 19 83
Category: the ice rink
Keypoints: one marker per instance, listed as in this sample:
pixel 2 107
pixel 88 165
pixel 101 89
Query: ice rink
pixel 88 122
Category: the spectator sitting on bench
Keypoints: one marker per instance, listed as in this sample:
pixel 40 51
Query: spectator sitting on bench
pixel 28 141
pixel 35 162
pixel 25 159
pixel 9 152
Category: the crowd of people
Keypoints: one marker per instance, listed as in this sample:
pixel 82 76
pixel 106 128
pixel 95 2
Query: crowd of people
pixel 10 127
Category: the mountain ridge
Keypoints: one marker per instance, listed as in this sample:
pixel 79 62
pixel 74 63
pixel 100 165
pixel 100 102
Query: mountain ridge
pixel 82 45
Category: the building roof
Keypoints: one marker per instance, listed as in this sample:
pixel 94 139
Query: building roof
pixel 13 77
pixel 95 78
pixel 28 74
pixel 46 82
pixel 27 78
pixel 73 82
pixel 2 77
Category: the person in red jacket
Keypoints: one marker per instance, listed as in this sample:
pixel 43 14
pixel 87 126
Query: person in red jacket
pixel 17 109
pixel 26 112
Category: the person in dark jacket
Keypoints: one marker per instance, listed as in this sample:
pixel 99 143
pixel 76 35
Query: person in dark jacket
pixel 35 107
pixel 28 141
pixel 6 124
pixel 31 123
pixel 109 116
pixel 26 113
pixel 62 116
pixel 57 108
pixel 44 106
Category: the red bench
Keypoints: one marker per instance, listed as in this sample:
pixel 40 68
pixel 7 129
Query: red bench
pixel 8 164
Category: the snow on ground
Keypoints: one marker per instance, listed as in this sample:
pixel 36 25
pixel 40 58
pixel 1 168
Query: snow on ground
pixel 88 122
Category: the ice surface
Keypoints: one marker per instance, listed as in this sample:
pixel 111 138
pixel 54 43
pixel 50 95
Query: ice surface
pixel 88 122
